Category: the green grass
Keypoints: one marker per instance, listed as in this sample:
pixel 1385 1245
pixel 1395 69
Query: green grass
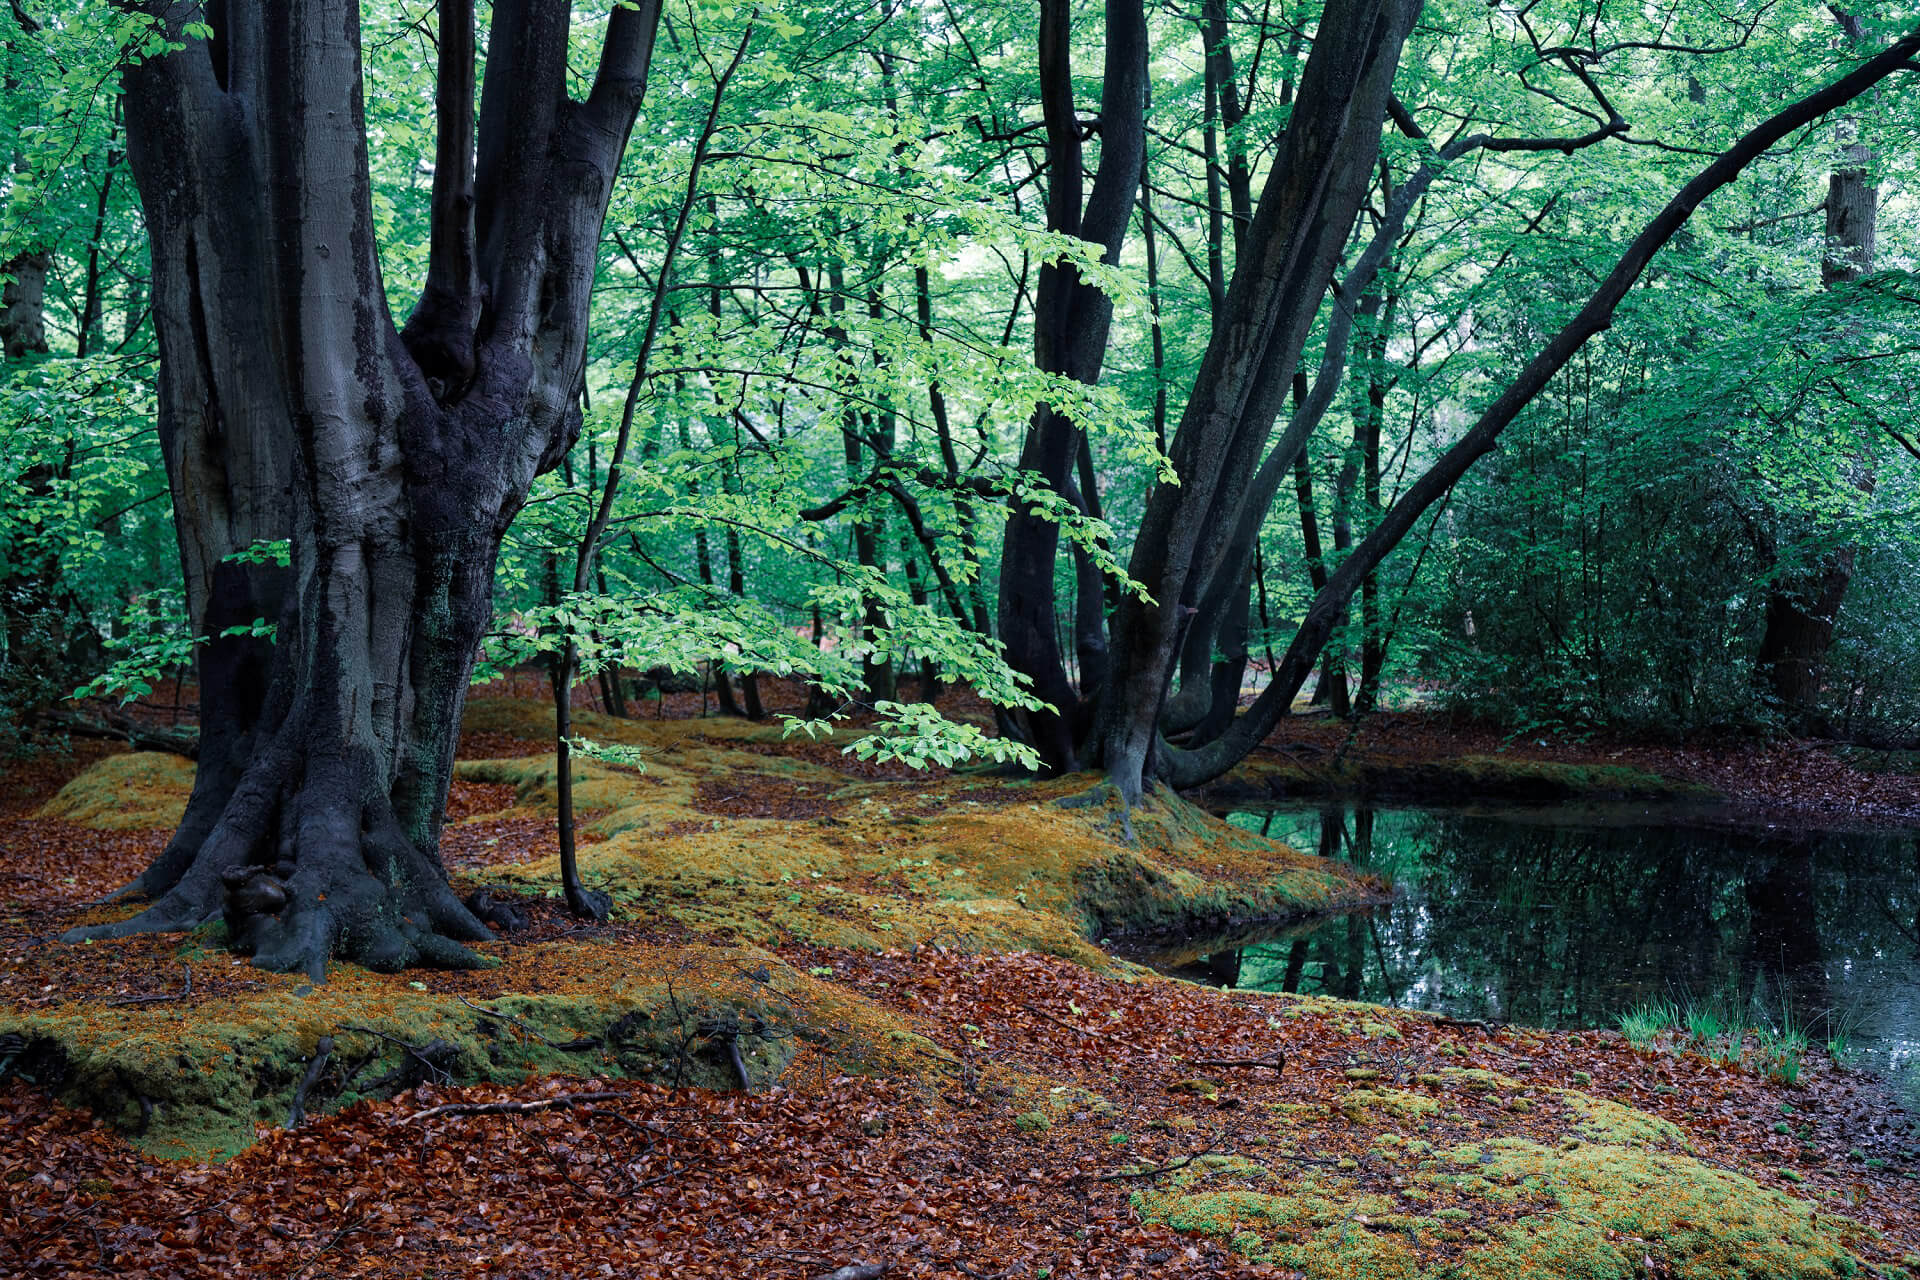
pixel 1840 1027
pixel 1643 1024
pixel 1781 1050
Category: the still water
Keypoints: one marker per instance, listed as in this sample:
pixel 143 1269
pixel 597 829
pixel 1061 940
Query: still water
pixel 1564 918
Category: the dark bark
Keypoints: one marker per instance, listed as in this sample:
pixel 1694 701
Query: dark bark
pixel 291 407
pixel 1071 322
pixel 1302 222
pixel 1803 607
pixel 1331 603
pixel 23 306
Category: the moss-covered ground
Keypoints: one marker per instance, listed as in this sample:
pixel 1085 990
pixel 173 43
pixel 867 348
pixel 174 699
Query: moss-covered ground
pixel 957 1078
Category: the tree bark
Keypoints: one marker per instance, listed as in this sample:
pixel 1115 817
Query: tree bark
pixel 1802 608
pixel 1071 322
pixel 291 407
pixel 1299 228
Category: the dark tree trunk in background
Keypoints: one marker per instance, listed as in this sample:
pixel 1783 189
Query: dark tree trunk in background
pixel 1803 607
pixel 292 408
pixel 1071 320
pixel 1299 228
pixel 1191 534
pixel 23 305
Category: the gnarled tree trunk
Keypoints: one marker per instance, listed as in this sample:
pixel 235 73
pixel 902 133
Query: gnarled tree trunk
pixel 291 407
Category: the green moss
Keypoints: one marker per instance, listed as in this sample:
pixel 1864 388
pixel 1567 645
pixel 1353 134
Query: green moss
pixel 1323 1229
pixel 142 790
pixel 1698 1222
pixel 214 1072
pixel 1042 875
pixel 1393 1102
pixel 1032 1123
pixel 1604 1121
pixel 1595 1211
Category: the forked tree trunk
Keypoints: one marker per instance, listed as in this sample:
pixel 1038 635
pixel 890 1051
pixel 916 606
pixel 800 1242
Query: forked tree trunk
pixel 292 408
pixel 1071 320
pixel 1188 531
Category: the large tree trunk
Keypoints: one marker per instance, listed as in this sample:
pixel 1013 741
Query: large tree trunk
pixel 1299 228
pixel 1803 607
pixel 291 408
pixel 1071 320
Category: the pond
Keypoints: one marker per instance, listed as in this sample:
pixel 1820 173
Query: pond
pixel 1572 917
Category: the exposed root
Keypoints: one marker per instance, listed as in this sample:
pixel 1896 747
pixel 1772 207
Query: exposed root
pixel 1099 795
pixel 301 877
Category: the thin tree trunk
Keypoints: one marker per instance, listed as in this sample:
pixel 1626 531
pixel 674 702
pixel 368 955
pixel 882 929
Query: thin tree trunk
pixel 1802 608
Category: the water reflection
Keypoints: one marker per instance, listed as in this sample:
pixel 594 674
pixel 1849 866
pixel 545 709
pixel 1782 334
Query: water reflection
pixel 1569 919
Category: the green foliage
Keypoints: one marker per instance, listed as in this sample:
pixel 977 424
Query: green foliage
pixel 828 433
pixel 1644 1023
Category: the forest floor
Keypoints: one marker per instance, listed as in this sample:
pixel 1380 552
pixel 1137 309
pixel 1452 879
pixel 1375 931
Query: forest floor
pixel 946 1076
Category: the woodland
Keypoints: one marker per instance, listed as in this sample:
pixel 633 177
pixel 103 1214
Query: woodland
pixel 619 622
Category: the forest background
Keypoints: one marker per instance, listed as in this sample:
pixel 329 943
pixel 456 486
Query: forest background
pixel 830 296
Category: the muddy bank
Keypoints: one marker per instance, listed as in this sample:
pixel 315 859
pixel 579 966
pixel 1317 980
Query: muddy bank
pixel 1420 758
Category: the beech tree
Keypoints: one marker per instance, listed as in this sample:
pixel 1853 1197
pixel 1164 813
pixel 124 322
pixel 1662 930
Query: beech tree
pixel 387 459
pixel 1196 533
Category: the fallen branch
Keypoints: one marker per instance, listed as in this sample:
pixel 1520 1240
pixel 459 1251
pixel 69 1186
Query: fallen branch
pixel 1062 1022
pixel 322 1050
pixel 118 727
pixel 1277 1060
pixel 1173 1166
pixel 509 1108
pixel 1469 1024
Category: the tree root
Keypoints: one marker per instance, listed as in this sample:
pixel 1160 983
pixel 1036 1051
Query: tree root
pixel 342 881
pixel 1099 795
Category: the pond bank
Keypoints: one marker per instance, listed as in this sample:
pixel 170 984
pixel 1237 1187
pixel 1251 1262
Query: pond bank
pixel 1429 758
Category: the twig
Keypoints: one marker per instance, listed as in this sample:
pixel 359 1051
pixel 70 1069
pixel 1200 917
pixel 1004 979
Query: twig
pixel 570 1046
pixel 322 1050
pixel 1061 1022
pixel 508 1108
pixel 1277 1060
pixel 181 994
pixel 1154 1172
pixel 417 1052
pixel 338 1236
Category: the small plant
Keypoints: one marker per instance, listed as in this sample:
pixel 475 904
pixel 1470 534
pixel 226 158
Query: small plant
pixel 1781 1051
pixel 1643 1024
pixel 1032 1123
pixel 1707 1021
pixel 1840 1029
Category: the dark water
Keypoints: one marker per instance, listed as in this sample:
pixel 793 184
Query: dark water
pixel 1560 918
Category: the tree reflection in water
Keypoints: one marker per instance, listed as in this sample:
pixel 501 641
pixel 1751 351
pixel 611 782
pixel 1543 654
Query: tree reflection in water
pixel 1568 919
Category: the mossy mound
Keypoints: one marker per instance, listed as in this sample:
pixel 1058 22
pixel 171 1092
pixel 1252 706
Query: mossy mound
pixel 1616 1190
pixel 1042 866
pixel 200 1078
pixel 722 833
pixel 140 791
